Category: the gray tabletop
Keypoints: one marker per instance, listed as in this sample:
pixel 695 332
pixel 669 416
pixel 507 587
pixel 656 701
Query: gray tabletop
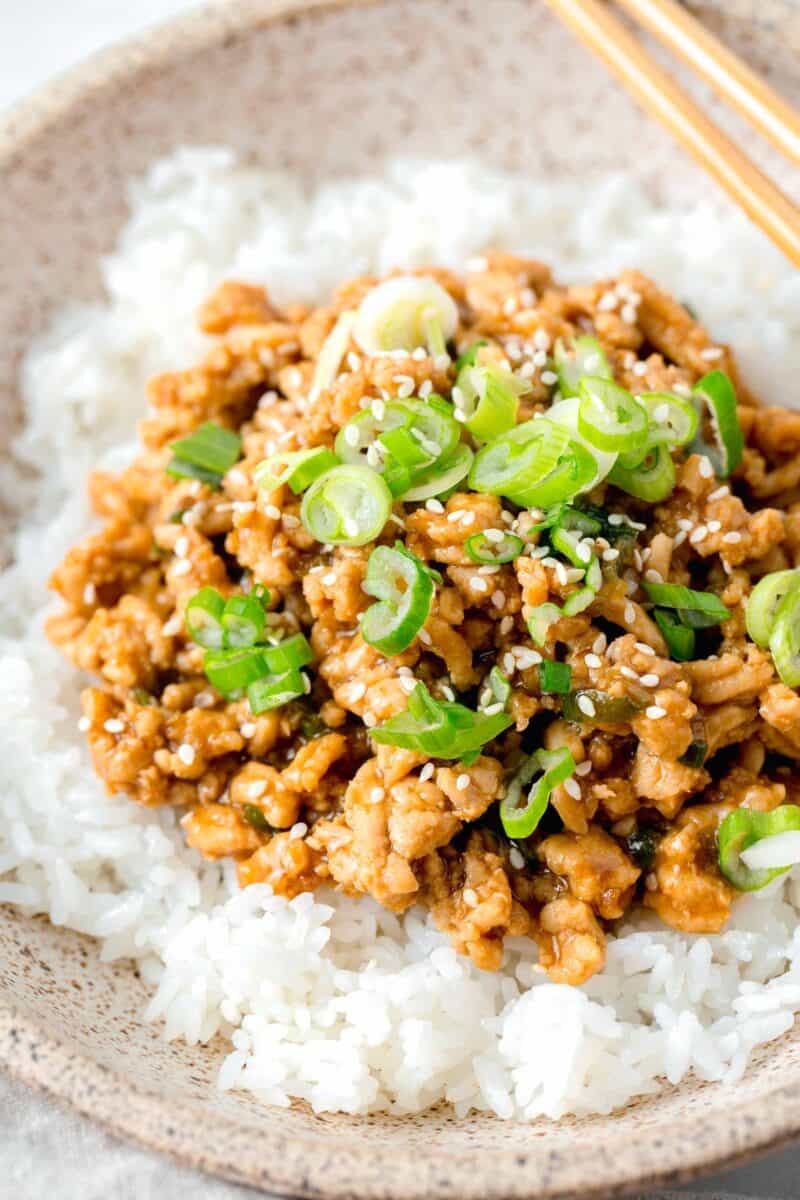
pixel 44 1149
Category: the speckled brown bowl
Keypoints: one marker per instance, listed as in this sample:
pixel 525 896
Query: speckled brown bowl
pixel 326 88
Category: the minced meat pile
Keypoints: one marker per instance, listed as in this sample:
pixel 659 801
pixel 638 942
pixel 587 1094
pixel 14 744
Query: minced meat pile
pixel 660 718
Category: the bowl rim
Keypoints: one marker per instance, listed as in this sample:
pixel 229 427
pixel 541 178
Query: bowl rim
pixel 39 1057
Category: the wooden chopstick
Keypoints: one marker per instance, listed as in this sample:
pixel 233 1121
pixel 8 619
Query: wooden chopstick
pixel 760 198
pixel 747 92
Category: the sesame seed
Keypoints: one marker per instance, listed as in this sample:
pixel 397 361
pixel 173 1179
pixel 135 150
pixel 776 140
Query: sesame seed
pixel 369 719
pixel 83 724
pixel 615 518
pixel 593 661
pixel 378 409
pixel 463 781
pixel 653 576
pixel 113 725
pixel 424 637
pixel 406 683
pixel 732 538
pixel 572 788
pixel 714 526
pixel 698 535
pixel 549 378
pixel 610 555
pixel 711 353
pixel 248 729
pixel 426 772
pixel 186 753
pixel 498 599
pixel 509 663
pixel 357 691
pixel 489 569
pixel 685 524
pixel 456 515
pixel 182 567
pixel 468 518
pixel 182 547
pixel 629 673
pixel 478 584
pixel 541 339
pixel 719 492
pixel 586 705
pixel 272 511
pixel 628 314
pixel 649 680
pixel 643 648
pixel 705 468
pixel 655 712
pixel 516 859
pixel 298 831
pixel 639 368
pixel 629 614
pixel 470 897
pixel 290 522
pixel 600 643
pixel 583 768
pixel 680 538
pixel 491 709
pixel 256 789
pixel 507 623
pixel 376 795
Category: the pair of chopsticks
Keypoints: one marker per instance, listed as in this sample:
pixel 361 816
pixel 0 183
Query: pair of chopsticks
pixel 766 205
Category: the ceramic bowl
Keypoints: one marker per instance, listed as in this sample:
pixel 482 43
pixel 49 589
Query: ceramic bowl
pixel 324 89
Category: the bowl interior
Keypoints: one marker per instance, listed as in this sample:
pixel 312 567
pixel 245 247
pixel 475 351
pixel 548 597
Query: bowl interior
pixel 323 90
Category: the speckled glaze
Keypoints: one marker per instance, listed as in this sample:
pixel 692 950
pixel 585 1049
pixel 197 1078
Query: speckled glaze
pixel 325 89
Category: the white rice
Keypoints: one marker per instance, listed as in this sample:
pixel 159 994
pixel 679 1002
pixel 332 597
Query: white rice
pixel 324 998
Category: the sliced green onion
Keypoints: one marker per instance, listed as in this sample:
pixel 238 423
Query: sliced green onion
pixel 565 413
pixel 555 677
pixel 209 449
pixel 289 655
pixel 255 817
pixel 434 335
pixel 576 602
pixel 757 847
pixel 765 600
pixel 298 468
pixel 540 619
pixel 499 688
pixel 652 479
pixel 699 610
pixel 609 417
pixel 520 820
pixel 570 543
pixel 442 476
pixel 396 315
pixel 536 464
pixel 404 589
pixel 589 521
pixel 680 638
pixel 333 351
pixel 482 548
pixel 715 394
pixel 232 670
pixel 695 753
pixel 273 691
pixel 402 459
pixel 243 621
pixel 179 468
pixel 346 506
pixel 583 356
pixel 784 641
pixel 440 729
pixel 204 618
pixel 362 441
pixel 672 419
pixel 586 704
pixel 470 355
pixel 489 399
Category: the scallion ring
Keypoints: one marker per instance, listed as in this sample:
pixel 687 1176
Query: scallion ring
pixel 440 729
pixel 442 477
pixel 609 417
pixel 757 847
pixel 243 621
pixel 348 505
pixel 520 820
pixel 699 610
pixel 297 468
pixel 488 399
pixel 404 589
pixel 397 315
pixel 652 479
pixel 583 356
pixel 485 548
pixel 204 618
pixel 714 397
pixel 765 600
pixel 273 691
